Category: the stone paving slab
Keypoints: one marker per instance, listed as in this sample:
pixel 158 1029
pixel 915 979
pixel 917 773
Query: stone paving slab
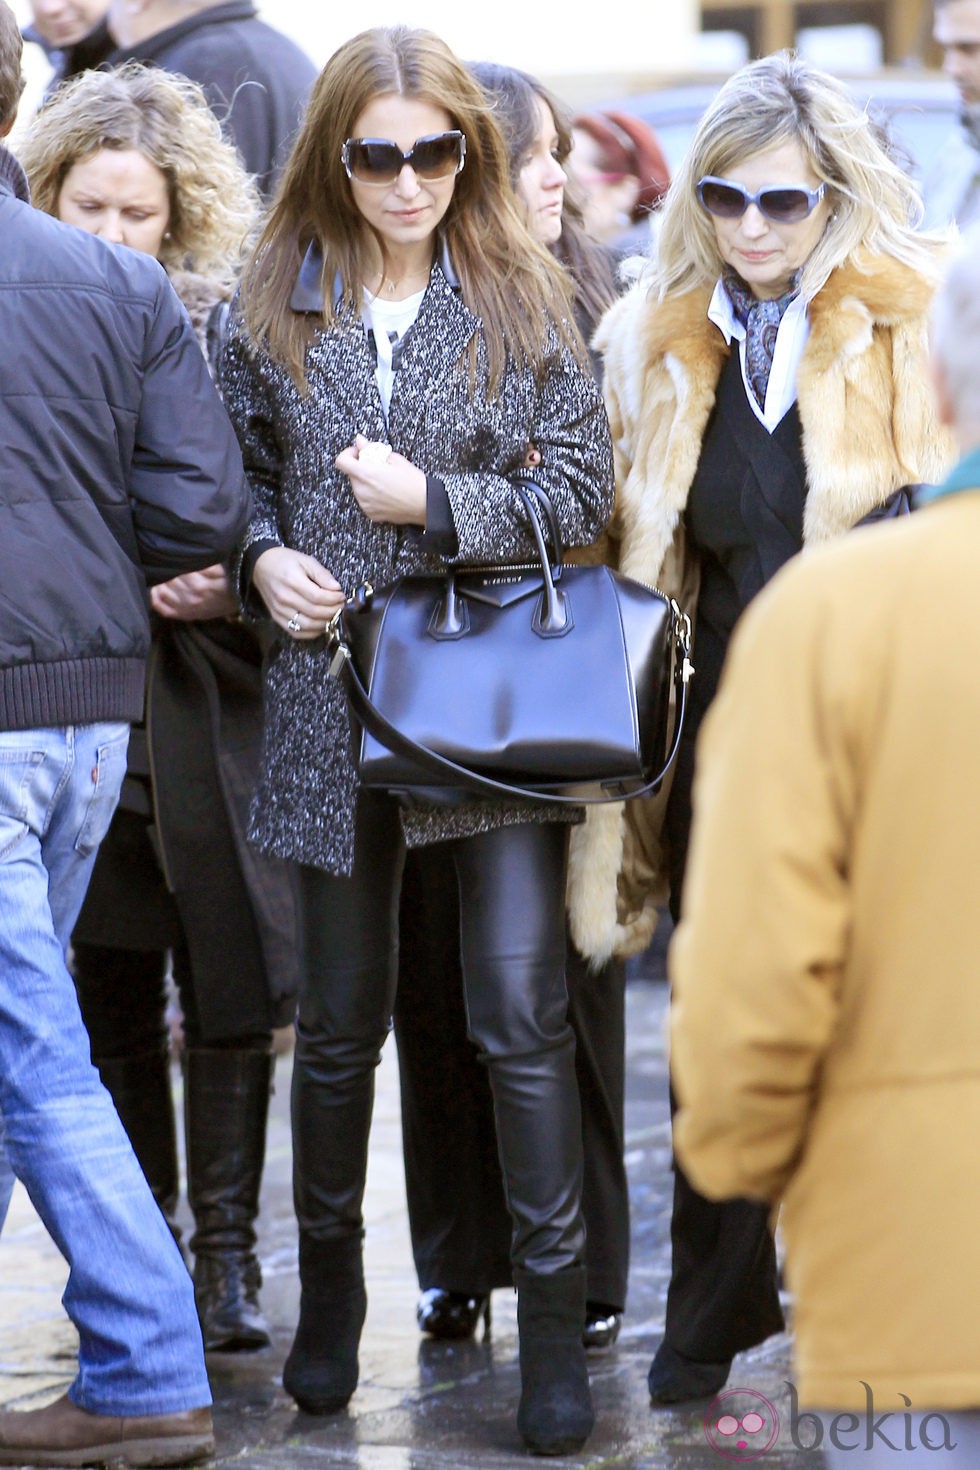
pixel 420 1405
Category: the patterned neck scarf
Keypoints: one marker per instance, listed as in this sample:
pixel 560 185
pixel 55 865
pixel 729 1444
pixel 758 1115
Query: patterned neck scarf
pixel 761 322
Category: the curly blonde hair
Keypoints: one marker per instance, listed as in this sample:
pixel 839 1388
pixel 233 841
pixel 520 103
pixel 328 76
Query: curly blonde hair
pixel 214 203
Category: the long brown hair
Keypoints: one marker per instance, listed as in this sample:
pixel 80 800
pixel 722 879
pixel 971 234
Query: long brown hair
pixel 507 280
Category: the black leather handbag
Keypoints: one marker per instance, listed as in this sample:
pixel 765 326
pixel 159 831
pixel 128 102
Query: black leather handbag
pixel 546 682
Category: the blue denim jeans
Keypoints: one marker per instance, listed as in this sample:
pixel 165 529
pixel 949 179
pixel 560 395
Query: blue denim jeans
pixel 128 1292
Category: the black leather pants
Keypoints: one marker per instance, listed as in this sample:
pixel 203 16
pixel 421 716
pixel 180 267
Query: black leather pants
pixel 511 884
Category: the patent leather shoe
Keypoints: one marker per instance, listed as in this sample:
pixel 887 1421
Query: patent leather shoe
pixel 452 1315
pixel 602 1324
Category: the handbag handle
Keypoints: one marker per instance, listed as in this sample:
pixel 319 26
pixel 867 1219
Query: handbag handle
pixel 440 766
pixel 553 618
pixel 532 495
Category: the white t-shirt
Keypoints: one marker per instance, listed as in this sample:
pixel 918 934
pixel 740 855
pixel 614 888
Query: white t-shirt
pixel 388 322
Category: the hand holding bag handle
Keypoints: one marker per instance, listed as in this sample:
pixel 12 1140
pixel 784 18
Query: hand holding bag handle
pixel 552 618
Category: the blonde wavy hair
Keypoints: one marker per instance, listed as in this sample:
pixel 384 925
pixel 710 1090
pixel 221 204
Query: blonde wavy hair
pixel 875 207
pixel 513 284
pixel 214 204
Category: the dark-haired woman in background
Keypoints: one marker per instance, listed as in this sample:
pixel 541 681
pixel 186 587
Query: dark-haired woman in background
pixel 457 1211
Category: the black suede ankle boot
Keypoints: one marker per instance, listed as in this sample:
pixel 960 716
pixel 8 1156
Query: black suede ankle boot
pixel 320 1372
pixel 555 1416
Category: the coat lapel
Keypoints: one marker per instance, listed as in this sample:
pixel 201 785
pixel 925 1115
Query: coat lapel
pixel 341 359
pixel 665 423
pixel 433 346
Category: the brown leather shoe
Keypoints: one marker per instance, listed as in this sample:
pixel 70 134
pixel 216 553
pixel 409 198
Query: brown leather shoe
pixel 64 1434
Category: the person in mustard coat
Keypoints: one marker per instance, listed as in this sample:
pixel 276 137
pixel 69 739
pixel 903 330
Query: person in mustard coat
pixel 826 1019
pixel 766 385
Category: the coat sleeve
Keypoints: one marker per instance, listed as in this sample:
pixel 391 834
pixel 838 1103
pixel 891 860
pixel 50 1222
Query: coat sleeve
pixel 189 497
pixel 757 960
pixel 570 430
pixel 242 377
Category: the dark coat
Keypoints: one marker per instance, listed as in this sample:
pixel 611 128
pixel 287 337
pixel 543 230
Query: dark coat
pixel 256 79
pixel 109 479
pixel 475 443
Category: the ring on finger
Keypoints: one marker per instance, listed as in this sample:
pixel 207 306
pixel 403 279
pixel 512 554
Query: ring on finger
pixel 294 624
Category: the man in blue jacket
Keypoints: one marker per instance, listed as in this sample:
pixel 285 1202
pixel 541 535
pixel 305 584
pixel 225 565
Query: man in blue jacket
pixel 118 467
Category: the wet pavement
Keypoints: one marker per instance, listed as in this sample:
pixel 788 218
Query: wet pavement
pixel 420 1405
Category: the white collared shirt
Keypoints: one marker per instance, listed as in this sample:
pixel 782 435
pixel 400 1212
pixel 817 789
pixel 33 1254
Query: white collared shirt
pixel 794 329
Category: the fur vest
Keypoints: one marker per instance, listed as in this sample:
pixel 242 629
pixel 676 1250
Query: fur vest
pixel 869 427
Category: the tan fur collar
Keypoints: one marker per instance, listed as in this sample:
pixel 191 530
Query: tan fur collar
pixel 886 290
pixel 889 291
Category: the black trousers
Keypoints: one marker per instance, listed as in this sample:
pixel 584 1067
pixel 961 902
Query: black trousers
pixel 458 1217
pixel 122 994
pixel 723 1295
pixel 512 941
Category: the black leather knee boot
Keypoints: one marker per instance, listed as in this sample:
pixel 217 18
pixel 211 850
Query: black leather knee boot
pixel 555 1416
pixel 321 1370
pixel 226 1102
pixel 140 1088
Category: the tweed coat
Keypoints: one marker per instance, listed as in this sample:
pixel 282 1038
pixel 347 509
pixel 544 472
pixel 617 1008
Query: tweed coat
pixel 869 427
pixel 475 442
pixel 825 1028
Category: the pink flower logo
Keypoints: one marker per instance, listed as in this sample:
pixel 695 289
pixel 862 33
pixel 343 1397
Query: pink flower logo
pixel 741 1425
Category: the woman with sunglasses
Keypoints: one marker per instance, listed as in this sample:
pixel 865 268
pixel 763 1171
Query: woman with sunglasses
pixel 404 343
pixel 767 388
pixel 457 1211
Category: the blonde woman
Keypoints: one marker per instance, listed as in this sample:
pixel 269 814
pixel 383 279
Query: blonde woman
pixel 136 157
pixel 767 389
